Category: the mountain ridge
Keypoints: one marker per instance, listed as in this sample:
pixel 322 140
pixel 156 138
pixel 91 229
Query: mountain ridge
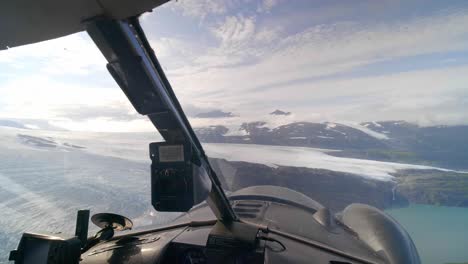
pixel 396 141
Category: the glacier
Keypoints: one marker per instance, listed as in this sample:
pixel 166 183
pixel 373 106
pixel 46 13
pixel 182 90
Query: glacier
pixel 46 176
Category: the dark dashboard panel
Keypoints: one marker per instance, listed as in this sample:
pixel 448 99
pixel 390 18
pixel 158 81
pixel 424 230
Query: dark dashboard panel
pixel 144 248
pixel 288 235
pixel 300 253
pixel 188 245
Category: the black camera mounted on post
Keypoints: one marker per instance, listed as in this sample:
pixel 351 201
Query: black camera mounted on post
pixel 177 181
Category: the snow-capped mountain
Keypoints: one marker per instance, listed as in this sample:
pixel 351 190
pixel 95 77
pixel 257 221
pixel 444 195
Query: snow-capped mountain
pixel 397 141
pixel 325 135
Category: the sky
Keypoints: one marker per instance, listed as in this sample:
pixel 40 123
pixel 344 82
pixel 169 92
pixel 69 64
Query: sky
pixel 234 61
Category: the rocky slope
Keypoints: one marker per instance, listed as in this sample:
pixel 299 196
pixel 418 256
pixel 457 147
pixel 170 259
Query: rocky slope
pixel 336 190
pixel 332 189
pixel 433 187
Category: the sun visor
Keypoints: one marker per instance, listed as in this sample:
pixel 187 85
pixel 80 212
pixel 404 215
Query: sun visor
pixel 28 21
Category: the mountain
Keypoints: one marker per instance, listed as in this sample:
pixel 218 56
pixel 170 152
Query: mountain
pixel 396 141
pixel 318 135
pixel 438 145
pixel 304 134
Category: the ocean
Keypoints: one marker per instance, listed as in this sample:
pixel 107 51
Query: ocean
pixel 439 232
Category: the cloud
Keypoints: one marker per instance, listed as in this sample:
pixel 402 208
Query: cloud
pixel 235 31
pixel 235 36
pixel 71 55
pixel 201 8
pixel 244 74
pixel 104 125
pixel 215 114
pixel 36 96
pixel 252 62
pixel 267 5
pixel 268 58
pixel 412 96
pixel 238 42
pixel 70 105
pixel 113 112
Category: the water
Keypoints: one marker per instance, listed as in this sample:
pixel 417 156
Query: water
pixel 440 233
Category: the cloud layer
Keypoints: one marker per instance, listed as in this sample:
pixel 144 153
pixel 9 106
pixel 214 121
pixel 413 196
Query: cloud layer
pixel 321 60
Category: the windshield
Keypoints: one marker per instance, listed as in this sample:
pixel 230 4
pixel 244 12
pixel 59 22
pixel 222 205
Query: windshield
pixel 345 102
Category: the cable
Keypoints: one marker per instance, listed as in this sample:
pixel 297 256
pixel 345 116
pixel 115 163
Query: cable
pixel 273 240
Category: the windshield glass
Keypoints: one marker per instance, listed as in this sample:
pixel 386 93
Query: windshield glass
pixel 345 102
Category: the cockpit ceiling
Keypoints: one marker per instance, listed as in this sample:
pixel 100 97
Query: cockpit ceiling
pixel 28 21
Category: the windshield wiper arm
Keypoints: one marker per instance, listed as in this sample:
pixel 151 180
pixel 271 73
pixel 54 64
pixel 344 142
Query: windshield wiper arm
pixel 135 68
